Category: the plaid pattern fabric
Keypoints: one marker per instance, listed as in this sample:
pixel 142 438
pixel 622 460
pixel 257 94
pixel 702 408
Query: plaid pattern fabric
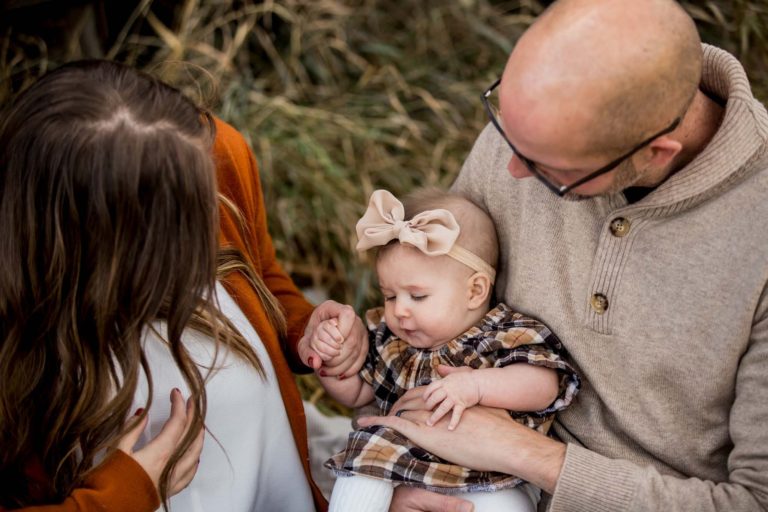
pixel 501 338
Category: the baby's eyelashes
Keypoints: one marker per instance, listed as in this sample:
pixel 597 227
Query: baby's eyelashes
pixel 413 297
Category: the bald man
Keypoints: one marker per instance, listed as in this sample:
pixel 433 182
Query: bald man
pixel 626 169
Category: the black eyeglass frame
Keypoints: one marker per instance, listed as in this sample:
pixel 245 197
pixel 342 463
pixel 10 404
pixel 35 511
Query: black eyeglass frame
pixel 555 187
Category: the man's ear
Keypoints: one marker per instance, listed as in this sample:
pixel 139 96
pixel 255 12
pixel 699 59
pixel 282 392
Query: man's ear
pixel 478 289
pixel 661 152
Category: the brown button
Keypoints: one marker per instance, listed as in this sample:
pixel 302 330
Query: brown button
pixel 619 227
pixel 599 303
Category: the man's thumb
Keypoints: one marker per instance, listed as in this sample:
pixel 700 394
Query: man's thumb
pixel 455 504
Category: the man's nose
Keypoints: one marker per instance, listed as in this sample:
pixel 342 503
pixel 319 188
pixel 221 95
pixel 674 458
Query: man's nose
pixel 517 168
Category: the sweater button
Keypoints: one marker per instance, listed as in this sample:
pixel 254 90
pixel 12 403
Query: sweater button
pixel 619 227
pixel 599 303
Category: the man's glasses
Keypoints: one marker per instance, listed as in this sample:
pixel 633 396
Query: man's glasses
pixel 494 114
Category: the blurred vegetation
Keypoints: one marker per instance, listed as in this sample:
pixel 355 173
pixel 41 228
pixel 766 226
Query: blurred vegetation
pixel 337 97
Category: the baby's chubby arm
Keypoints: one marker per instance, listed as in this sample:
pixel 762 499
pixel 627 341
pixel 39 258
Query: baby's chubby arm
pixel 350 390
pixel 517 387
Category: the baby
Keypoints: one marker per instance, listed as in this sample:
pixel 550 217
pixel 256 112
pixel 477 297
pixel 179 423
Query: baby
pixel 435 266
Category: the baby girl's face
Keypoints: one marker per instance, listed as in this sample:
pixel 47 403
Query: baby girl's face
pixel 425 297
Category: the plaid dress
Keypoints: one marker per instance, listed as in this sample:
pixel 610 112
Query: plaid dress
pixel 392 367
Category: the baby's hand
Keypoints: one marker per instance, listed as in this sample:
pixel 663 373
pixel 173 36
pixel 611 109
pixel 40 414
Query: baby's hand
pixel 456 392
pixel 326 339
pixel 352 348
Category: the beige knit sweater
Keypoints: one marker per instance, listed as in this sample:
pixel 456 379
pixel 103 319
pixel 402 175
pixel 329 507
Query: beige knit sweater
pixel 663 307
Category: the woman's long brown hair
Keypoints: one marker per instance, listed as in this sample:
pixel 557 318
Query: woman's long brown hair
pixel 108 223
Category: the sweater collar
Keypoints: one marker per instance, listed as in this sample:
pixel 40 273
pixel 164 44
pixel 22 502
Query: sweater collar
pixel 736 147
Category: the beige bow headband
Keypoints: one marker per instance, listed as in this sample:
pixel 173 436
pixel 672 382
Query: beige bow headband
pixel 433 232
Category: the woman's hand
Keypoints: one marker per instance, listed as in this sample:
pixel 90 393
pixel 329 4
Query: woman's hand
pixel 154 455
pixel 354 347
pixel 349 361
pixel 326 340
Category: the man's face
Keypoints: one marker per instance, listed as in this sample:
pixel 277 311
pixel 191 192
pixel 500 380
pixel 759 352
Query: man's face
pixel 556 139
pixel 623 176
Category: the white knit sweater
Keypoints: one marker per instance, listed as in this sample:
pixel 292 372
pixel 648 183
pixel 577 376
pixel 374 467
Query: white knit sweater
pixel 673 414
pixel 249 462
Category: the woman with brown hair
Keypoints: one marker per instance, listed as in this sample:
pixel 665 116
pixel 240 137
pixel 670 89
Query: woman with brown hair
pixel 136 259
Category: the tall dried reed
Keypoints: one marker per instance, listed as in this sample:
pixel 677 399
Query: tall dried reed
pixel 339 97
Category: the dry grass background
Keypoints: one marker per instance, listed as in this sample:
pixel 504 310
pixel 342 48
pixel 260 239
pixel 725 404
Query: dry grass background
pixel 338 97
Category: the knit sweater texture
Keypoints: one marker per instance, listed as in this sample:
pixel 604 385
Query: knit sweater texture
pixel 673 412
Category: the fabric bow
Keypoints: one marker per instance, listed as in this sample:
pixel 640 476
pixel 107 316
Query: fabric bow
pixel 432 232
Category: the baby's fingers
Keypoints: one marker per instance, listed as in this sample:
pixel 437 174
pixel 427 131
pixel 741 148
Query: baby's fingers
pixel 444 408
pixel 435 397
pixel 458 410
pixel 326 348
pixel 331 328
pixel 329 333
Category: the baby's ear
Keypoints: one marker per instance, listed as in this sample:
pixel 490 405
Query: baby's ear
pixel 478 288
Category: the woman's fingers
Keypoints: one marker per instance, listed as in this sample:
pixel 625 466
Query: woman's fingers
pixel 130 438
pixel 347 321
pixel 308 356
pixel 174 427
pixel 187 465
pixel 154 456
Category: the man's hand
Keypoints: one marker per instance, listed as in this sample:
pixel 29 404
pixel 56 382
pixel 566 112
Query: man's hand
pixel 353 348
pixel 486 439
pixel 454 392
pixel 411 400
pixel 413 499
